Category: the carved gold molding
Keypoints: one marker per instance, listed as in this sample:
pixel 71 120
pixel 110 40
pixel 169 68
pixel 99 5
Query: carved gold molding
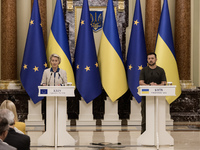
pixel 121 5
pixel 70 6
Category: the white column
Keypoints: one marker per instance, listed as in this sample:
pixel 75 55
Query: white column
pixel 135 114
pixel 34 117
pixel 34 121
pixel 111 116
pixel 169 121
pixel 85 113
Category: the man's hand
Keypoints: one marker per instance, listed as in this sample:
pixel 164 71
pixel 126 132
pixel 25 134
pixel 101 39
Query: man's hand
pixel 153 83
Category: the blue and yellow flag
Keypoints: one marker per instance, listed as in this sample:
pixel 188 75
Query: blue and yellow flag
pixel 112 70
pixel 166 53
pixel 58 42
pixel 136 56
pixel 88 81
pixel 34 60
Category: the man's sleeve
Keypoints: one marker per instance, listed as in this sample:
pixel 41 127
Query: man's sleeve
pixel 163 76
pixel 141 75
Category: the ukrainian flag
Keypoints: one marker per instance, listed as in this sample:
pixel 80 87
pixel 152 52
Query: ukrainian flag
pixel 145 91
pixel 112 70
pixel 58 42
pixel 166 53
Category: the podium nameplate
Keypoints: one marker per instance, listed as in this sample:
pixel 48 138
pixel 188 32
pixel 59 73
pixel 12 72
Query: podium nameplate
pixel 61 91
pixel 156 90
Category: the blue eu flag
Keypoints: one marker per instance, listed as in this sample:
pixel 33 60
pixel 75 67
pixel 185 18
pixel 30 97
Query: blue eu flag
pixel 87 75
pixel 136 56
pixel 34 60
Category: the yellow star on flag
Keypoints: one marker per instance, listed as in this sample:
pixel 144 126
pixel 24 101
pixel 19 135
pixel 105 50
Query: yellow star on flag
pixel 35 68
pixel 87 68
pixel 130 67
pixel 25 66
pixel 97 65
pixel 45 65
pixel 77 67
pixel 140 67
pixel 136 22
pixel 32 22
pixel 41 24
pixel 82 22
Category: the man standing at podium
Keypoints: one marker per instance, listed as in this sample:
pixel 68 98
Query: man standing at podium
pixel 150 75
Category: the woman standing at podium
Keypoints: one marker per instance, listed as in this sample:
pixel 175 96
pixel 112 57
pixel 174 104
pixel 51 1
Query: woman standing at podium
pixel 54 76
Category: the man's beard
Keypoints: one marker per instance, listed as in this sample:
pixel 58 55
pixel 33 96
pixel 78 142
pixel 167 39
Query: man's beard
pixel 151 64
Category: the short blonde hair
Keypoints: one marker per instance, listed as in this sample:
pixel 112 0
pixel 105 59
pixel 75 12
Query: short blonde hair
pixel 7 104
pixel 55 55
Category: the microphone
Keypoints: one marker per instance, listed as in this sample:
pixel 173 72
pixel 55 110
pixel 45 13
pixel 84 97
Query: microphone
pixel 61 78
pixel 49 79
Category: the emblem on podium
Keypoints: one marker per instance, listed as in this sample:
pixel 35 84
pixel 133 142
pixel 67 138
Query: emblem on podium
pixel 43 91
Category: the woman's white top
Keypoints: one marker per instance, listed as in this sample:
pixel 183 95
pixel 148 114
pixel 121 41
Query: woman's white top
pixel 51 78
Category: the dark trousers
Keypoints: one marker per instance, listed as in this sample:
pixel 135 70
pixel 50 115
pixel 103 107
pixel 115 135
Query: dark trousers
pixel 143 113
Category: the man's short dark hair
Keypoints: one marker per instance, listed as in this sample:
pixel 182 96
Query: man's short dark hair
pixel 3 125
pixel 152 54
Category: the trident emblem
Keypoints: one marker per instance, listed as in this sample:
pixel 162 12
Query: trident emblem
pixel 96 20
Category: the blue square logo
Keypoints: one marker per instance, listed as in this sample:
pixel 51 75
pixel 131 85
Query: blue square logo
pixel 43 91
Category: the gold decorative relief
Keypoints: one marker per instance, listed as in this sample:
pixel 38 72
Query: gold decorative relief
pixel 121 5
pixel 70 6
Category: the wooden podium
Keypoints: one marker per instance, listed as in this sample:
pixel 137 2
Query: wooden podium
pixel 56 113
pixel 156 133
